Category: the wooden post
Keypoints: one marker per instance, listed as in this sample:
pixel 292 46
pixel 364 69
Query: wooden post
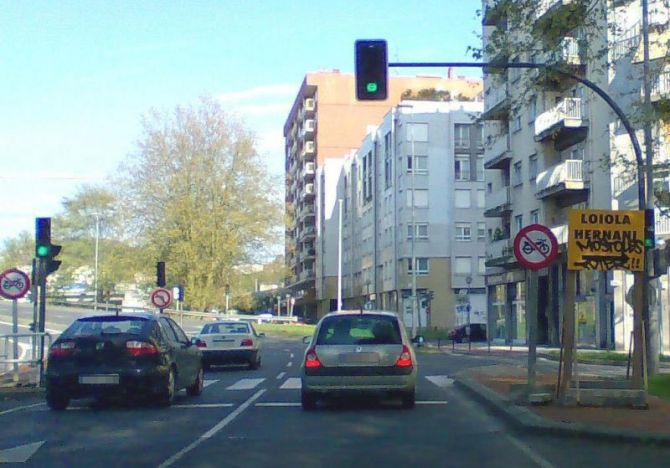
pixel 567 345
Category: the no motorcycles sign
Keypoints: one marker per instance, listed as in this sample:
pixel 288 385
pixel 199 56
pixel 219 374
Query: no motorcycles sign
pixel 605 240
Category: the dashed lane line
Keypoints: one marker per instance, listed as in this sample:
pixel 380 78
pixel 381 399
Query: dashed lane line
pixel 281 375
pixel 245 384
pixel 292 383
pixel 19 408
pixel 289 364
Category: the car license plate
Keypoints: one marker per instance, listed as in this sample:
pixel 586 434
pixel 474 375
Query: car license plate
pixel 223 340
pixel 359 358
pixel 99 379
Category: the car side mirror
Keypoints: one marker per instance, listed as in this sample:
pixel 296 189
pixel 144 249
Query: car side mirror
pixel 306 339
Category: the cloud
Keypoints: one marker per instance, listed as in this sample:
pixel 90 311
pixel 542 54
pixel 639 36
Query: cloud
pixel 282 91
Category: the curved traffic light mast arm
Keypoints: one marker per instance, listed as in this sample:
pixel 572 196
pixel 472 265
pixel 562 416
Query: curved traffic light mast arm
pixel 589 84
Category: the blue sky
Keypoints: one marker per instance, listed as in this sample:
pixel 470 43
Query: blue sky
pixel 77 76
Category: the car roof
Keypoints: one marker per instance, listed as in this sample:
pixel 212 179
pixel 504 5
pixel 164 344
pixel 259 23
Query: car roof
pixel 226 322
pixel 384 313
pixel 140 315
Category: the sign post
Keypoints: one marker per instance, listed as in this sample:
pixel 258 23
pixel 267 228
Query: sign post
pixel 535 247
pixel 14 284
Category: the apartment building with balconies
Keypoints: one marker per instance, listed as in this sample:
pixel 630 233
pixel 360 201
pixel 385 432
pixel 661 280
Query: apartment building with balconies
pixel 552 145
pixel 326 121
pixel 413 189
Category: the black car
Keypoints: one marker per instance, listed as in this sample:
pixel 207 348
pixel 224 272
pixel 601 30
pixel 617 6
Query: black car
pixel 460 334
pixel 130 355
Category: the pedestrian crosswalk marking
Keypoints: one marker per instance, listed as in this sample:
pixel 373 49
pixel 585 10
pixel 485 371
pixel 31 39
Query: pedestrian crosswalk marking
pixel 440 380
pixel 292 383
pixel 207 383
pixel 245 384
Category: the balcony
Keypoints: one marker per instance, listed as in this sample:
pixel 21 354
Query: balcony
pixel 307 191
pixel 497 154
pixel 561 233
pixel 307 150
pixel 493 12
pixel 556 17
pixel 306 211
pixel 496 103
pixel 307 171
pixel 309 106
pixel 307 254
pixel 307 233
pixel 563 124
pixel 565 179
pixel 499 253
pixel 660 87
pixel 662 224
pixel 570 56
pixel 308 128
pixel 498 203
pixel 306 275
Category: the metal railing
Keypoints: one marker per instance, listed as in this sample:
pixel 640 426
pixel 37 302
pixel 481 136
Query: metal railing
pixel 29 357
pixel 568 108
pixel 568 171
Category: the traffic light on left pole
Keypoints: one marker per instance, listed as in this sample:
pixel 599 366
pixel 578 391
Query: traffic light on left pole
pixel 371 70
pixel 44 249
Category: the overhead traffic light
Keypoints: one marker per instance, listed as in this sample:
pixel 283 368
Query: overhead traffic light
pixel 44 249
pixel 160 274
pixel 371 70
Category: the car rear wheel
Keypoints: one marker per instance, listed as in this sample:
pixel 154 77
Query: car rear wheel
pixel 166 397
pixel 196 388
pixel 57 401
pixel 308 400
pixel 255 363
pixel 408 399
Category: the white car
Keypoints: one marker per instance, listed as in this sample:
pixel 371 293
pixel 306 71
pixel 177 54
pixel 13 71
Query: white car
pixel 229 342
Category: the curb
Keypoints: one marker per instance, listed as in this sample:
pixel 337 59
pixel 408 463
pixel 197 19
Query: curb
pixel 20 393
pixel 524 420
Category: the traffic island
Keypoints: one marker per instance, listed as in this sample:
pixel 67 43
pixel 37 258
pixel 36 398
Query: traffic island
pixel 499 389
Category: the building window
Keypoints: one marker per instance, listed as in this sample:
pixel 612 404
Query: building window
pixel 462 136
pixel 516 122
pixel 420 198
pixel 532 109
pixel 417 132
pixel 481 265
pixel 367 177
pixel 421 230
pixel 388 161
pixel 422 266
pixel 532 167
pixel 462 198
pixel 535 217
pixel 463 231
pixel 481 231
pixel 462 168
pixel 516 175
pixel 481 198
pixel 518 222
pixel 421 162
pixel 463 266
pixel 480 168
pixel 479 137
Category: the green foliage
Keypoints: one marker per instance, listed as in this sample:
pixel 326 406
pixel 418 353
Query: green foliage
pixel 275 329
pixel 430 94
pixel 659 385
pixel 17 252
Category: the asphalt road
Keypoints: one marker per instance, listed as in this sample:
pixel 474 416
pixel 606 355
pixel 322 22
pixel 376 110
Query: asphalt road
pixel 253 418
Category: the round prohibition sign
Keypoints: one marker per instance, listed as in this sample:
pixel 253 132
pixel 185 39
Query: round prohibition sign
pixel 535 247
pixel 14 284
pixel 161 298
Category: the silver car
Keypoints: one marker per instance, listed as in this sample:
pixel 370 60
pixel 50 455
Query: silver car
pixel 358 352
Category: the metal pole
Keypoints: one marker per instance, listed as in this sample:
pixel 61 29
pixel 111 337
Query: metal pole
pixel 41 269
pixel 15 331
pixel 531 313
pixel 415 313
pixel 339 257
pixel 468 280
pixel 97 236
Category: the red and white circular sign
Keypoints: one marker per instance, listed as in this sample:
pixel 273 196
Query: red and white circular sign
pixel 14 284
pixel 161 298
pixel 535 247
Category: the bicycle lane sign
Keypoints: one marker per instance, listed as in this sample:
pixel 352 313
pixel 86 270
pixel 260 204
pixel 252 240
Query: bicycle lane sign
pixel 535 247
pixel 14 284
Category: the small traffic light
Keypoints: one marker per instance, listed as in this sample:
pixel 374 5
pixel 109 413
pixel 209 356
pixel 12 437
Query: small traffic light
pixel 42 237
pixel 160 274
pixel 51 264
pixel 371 70
pixel 649 229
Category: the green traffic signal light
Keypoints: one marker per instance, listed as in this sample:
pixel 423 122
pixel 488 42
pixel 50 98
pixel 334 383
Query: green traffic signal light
pixel 371 87
pixel 42 250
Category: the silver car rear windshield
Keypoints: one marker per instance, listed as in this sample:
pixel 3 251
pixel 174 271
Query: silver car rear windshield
pixel 232 328
pixel 359 330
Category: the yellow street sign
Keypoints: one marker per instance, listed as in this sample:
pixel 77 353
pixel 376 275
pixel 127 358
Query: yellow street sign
pixel 605 240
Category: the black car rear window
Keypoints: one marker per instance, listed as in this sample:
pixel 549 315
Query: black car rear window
pixel 356 330
pixel 106 325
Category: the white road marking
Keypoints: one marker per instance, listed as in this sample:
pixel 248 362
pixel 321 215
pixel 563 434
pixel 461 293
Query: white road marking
pixel 206 383
pixel 530 453
pixel 281 375
pixel 212 432
pixel 245 384
pixel 292 355
pixel 431 402
pixel 20 454
pixel 204 405
pixel 289 364
pixel 50 330
pixel 277 404
pixel 19 408
pixel 292 383
pixel 440 380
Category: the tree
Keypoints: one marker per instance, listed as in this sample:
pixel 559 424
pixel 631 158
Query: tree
pixel 200 199
pixel 18 252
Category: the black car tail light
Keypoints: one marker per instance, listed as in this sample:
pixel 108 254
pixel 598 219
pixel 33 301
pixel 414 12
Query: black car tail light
pixel 62 349
pixel 140 348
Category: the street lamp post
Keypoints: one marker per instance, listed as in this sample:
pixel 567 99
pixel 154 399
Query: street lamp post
pixel 415 313
pixel 339 257
pixel 97 237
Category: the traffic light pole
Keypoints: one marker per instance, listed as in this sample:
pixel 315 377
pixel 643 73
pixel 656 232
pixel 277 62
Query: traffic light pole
pixel 641 308
pixel 41 312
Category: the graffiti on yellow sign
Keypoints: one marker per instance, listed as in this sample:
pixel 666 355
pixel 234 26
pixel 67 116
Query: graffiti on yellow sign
pixel 605 240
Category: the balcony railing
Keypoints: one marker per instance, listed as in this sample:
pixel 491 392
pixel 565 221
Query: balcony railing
pixel 662 224
pixel 561 233
pixel 568 175
pixel 308 170
pixel 495 150
pixel 307 190
pixel 570 52
pixel 496 101
pixel 499 251
pixel 660 87
pixel 497 202
pixel 542 7
pixel 568 112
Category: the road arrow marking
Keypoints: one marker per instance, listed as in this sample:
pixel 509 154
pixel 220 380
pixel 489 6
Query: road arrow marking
pixel 245 384
pixel 20 454
pixel 440 380
pixel 292 383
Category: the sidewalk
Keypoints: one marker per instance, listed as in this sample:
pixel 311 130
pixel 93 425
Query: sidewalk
pixel 25 386
pixel 494 386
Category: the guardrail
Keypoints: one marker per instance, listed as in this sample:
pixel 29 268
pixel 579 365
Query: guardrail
pixel 210 316
pixel 31 358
